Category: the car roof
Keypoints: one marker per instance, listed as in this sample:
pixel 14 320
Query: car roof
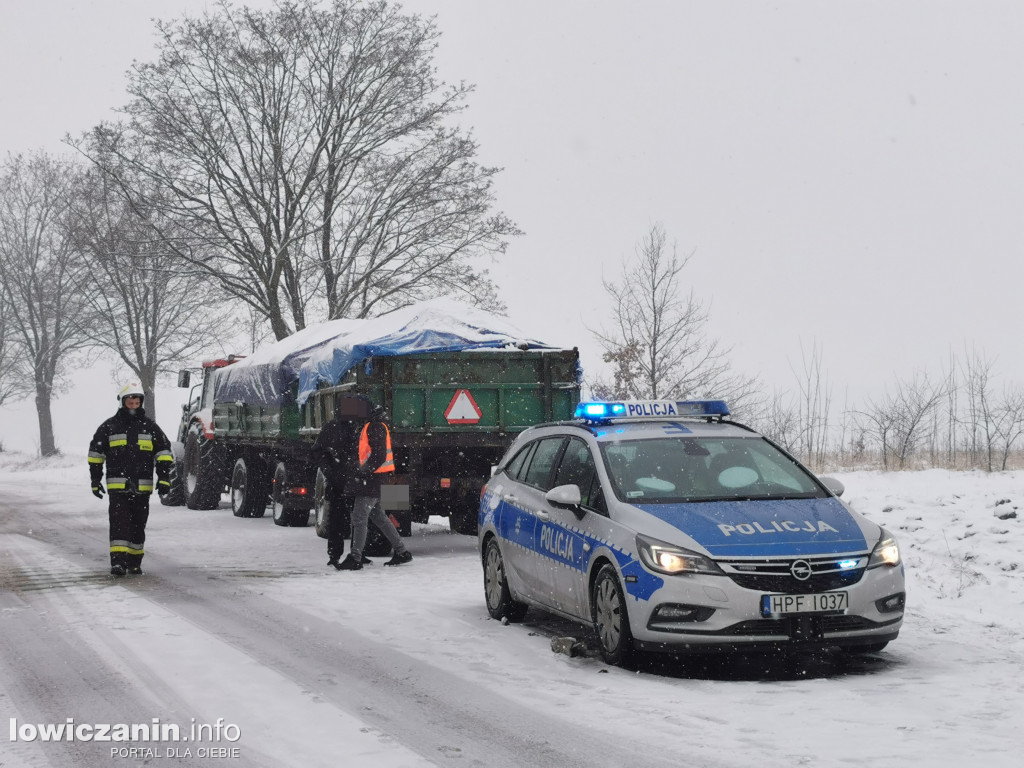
pixel 649 429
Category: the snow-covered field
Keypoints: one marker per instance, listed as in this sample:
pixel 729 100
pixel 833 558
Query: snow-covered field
pixel 948 692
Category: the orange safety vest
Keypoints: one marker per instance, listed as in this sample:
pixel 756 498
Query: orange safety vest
pixel 364 450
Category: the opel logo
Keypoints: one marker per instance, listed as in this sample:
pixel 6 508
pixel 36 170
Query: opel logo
pixel 800 570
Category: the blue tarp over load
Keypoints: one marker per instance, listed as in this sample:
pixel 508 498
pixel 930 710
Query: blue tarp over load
pixel 323 353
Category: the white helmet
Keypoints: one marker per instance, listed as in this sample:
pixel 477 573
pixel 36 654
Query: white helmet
pixel 132 389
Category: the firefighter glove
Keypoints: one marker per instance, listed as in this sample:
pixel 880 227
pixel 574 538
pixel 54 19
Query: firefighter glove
pixel 97 490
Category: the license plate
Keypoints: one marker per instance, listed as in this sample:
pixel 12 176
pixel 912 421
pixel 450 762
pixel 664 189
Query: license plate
pixel 781 605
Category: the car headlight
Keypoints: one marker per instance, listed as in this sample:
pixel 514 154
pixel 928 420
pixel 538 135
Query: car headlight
pixel 667 558
pixel 886 551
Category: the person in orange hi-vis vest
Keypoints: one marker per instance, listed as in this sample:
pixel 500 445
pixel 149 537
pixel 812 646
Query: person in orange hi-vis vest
pixel 375 461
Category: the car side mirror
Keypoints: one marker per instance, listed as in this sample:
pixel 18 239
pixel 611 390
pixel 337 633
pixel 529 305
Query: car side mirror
pixel 184 377
pixel 567 496
pixel 834 485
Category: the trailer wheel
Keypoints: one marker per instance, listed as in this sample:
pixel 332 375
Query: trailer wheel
pixel 203 467
pixel 249 488
pixel 462 518
pixel 322 509
pixel 294 518
pixel 175 495
pixel 321 506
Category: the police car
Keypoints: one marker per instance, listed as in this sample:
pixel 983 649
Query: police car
pixel 668 527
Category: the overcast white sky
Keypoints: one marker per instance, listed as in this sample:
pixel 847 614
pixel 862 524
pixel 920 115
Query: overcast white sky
pixel 845 174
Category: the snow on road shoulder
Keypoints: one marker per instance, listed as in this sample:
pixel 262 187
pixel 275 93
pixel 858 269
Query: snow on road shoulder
pixel 962 538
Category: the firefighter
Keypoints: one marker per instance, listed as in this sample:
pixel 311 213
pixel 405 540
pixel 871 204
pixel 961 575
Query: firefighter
pixel 372 444
pixel 129 444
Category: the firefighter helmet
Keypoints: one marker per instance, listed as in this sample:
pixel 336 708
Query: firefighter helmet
pixel 132 389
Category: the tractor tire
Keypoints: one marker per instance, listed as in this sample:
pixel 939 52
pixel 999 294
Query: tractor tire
pixel 203 465
pixel 175 495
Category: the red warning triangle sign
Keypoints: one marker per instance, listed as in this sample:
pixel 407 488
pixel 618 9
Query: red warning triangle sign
pixel 463 409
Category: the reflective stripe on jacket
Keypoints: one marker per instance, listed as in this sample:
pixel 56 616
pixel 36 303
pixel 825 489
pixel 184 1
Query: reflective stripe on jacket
pixel 129 446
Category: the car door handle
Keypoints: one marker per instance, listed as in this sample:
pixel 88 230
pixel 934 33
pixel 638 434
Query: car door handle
pixel 543 514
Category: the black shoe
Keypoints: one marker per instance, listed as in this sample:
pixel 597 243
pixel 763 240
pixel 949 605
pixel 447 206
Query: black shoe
pixel 135 570
pixel 349 564
pixel 400 557
pixel 333 561
pixel 365 560
pixel 118 570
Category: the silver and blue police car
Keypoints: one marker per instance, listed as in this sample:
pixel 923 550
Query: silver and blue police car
pixel 667 526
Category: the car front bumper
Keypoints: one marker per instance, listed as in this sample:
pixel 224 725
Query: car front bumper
pixel 722 615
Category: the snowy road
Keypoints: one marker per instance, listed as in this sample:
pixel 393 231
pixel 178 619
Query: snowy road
pixel 239 622
pixel 196 639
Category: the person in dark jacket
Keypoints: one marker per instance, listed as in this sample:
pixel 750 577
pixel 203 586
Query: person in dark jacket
pixel 335 456
pixel 365 450
pixel 129 445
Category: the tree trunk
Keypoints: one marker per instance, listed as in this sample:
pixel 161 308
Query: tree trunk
pixel 149 390
pixel 47 447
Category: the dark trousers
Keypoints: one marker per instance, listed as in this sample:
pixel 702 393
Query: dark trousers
pixel 339 524
pixel 129 513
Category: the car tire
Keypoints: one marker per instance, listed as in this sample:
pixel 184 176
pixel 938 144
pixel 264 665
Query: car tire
pixel 611 618
pixel 291 518
pixel 500 603
pixel 248 488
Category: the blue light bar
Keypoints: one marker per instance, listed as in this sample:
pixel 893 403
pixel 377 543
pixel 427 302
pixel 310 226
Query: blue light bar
pixel 648 409
pixel 703 407
pixel 595 411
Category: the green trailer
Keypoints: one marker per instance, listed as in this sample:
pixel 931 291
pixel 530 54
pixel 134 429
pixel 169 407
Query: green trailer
pixel 453 414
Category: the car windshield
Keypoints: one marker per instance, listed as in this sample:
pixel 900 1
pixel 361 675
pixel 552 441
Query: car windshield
pixel 696 469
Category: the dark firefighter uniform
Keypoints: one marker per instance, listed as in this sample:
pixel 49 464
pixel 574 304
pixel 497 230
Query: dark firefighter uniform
pixel 131 445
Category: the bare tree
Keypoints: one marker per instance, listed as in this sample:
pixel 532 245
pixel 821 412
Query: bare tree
pixel 978 372
pixel 878 423
pixel 915 402
pixel 814 407
pixel 900 422
pixel 658 346
pixel 12 378
pixel 1008 424
pixel 151 315
pixel 779 420
pixel 41 274
pixel 952 416
pixel 313 149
